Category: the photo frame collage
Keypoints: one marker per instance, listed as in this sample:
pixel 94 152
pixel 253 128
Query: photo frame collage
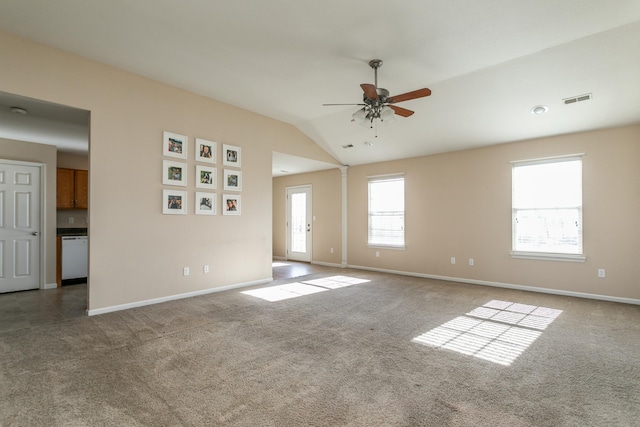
pixel 175 173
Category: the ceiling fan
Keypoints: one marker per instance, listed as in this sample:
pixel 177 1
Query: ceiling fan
pixel 378 105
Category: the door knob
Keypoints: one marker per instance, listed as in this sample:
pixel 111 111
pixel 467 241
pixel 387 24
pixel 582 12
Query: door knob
pixel 35 233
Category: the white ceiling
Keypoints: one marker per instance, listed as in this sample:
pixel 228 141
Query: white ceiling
pixel 488 63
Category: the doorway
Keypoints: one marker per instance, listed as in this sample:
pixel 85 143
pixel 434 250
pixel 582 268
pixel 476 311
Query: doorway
pixel 20 226
pixel 29 129
pixel 299 220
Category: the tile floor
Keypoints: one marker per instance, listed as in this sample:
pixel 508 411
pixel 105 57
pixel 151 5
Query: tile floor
pixel 19 310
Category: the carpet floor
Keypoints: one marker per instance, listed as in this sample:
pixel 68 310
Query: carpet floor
pixel 335 347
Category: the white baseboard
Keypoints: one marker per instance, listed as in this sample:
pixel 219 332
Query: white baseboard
pixel 50 285
pixel 505 285
pixel 175 297
pixel 328 264
pixel 279 258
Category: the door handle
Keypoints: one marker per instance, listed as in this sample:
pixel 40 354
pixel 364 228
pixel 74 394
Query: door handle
pixel 35 233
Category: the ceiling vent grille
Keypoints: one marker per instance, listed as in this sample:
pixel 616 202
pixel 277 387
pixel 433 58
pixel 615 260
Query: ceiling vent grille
pixel 579 98
pixel 347 146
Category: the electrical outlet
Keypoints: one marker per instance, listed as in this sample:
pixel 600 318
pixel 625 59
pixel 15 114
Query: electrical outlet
pixel 331 250
pixel 71 220
pixel 185 271
pixel 471 262
pixel 377 254
pixel 601 273
pixel 205 269
pixel 453 260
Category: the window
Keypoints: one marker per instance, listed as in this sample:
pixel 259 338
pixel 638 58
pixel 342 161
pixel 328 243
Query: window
pixel 386 211
pixel 547 208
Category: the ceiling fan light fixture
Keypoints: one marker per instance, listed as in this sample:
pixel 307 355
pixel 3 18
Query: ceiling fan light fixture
pixel 359 115
pixel 386 113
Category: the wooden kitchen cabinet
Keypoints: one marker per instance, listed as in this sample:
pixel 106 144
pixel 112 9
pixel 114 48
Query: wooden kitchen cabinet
pixel 72 189
pixel 82 189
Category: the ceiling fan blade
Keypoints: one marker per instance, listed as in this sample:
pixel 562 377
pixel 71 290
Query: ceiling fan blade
pixel 328 105
pixel 420 93
pixel 401 111
pixel 369 90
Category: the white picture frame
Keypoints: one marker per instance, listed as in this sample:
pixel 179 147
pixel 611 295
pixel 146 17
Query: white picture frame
pixel 206 177
pixel 231 204
pixel 174 145
pixel 232 180
pixel 174 202
pixel 205 203
pixel 205 151
pixel 231 155
pixel 174 173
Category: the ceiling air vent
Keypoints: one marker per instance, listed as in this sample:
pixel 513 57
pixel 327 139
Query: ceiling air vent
pixel 347 146
pixel 579 98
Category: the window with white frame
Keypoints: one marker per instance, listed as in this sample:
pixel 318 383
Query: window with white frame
pixel 547 207
pixel 386 211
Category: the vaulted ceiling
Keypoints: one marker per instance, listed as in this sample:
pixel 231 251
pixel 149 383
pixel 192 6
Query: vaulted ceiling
pixel 488 63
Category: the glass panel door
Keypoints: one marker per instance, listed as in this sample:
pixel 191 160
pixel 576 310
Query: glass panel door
pixel 299 223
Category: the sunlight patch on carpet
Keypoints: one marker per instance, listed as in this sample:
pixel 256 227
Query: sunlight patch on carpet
pixel 307 287
pixel 499 331
pixel 335 282
pixel 282 292
pixel 279 264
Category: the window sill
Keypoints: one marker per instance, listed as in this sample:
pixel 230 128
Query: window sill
pixel 547 256
pixel 396 248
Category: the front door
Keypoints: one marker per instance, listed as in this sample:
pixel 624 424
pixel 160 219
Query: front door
pixel 19 226
pixel 299 223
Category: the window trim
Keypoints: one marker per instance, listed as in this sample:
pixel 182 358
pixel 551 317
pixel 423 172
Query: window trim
pixel 549 256
pixel 385 177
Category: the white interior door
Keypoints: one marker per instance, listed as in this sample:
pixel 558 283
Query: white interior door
pixel 299 223
pixel 19 227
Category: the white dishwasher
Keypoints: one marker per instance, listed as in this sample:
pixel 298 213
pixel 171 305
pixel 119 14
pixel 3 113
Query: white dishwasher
pixel 75 260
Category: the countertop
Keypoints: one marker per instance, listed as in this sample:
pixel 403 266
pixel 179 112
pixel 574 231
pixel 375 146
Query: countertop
pixel 71 231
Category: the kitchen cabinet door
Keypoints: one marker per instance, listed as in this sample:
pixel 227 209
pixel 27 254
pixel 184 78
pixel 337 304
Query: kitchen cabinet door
pixel 65 192
pixel 81 182
pixel 72 189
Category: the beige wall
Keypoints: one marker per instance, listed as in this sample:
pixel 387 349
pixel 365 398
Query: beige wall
pixel 40 153
pixel 327 209
pixel 135 252
pixel 73 161
pixel 459 205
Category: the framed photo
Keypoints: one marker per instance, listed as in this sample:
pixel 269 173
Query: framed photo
pixel 231 155
pixel 174 145
pixel 206 177
pixel 174 173
pixel 232 180
pixel 205 151
pixel 231 204
pixel 174 202
pixel 205 203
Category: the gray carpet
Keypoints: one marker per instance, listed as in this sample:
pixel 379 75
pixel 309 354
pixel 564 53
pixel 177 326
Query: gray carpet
pixel 341 357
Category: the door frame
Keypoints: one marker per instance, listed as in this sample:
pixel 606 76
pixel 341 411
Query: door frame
pixel 43 209
pixel 287 214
